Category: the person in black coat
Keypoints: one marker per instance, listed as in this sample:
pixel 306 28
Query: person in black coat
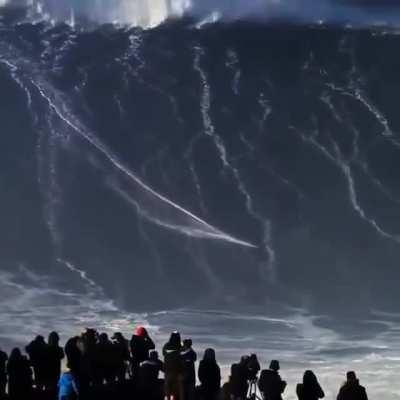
pixel 209 376
pixel 37 351
pixel 54 357
pixel 104 360
pixel 174 368
pixel 73 354
pixel 3 373
pixel 19 376
pixel 122 355
pixel 270 383
pixel 189 357
pixel 352 390
pixel 239 377
pixel 310 389
pixel 150 386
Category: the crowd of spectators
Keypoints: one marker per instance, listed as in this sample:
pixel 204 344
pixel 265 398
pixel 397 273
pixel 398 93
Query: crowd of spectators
pixel 98 367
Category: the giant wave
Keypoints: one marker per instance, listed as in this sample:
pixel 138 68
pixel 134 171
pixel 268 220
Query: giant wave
pixel 244 174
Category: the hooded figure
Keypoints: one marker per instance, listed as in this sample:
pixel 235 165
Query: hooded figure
pixel 19 376
pixel 310 389
pixel 352 390
pixel 209 376
pixel 174 367
pixel 270 383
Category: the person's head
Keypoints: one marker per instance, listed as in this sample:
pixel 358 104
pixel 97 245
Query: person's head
pixel 15 354
pixel 53 339
pixel 209 355
pixel 351 377
pixel 40 339
pixel 118 336
pixel 274 365
pixel 103 338
pixel 153 355
pixel 175 339
pixel 90 335
pixel 253 357
pixel 141 332
pixel 187 343
pixel 73 341
pixel 309 378
pixel 244 360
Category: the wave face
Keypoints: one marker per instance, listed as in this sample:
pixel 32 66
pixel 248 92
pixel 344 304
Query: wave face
pixel 239 167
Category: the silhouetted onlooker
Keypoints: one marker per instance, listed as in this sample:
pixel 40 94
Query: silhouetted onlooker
pixel 73 354
pixel 239 379
pixel 122 355
pixel 352 390
pixel 270 383
pixel 37 351
pixel 140 345
pixel 150 386
pixel 253 367
pixel 104 361
pixel 88 372
pixel 226 392
pixel 310 389
pixel 209 376
pixel 3 373
pixel 174 368
pixel 189 357
pixel 54 357
pixel 19 376
pixel 68 386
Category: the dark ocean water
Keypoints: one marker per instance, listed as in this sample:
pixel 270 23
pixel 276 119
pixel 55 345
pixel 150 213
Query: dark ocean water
pixel 238 182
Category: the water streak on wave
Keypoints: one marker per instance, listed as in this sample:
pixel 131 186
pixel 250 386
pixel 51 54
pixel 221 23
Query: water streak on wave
pixel 205 230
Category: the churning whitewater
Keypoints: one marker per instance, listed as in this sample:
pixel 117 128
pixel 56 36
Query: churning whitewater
pixel 232 174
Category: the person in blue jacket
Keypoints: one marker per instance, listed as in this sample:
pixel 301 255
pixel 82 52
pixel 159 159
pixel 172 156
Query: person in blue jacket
pixel 68 387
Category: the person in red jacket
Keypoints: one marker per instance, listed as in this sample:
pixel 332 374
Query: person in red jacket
pixel 140 346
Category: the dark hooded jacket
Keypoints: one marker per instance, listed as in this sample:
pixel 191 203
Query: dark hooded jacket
pixel 352 390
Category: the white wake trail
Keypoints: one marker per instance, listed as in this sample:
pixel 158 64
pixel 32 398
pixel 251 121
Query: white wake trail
pixel 356 156
pixel 13 70
pixel 358 95
pixel 196 232
pixel 266 110
pixel 205 230
pixel 189 157
pixel 345 168
pixel 210 131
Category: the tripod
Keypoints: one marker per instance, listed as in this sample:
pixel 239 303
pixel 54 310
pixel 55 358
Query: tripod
pixel 252 392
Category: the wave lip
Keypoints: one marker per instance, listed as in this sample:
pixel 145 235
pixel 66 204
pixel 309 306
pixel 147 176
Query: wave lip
pixel 151 13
